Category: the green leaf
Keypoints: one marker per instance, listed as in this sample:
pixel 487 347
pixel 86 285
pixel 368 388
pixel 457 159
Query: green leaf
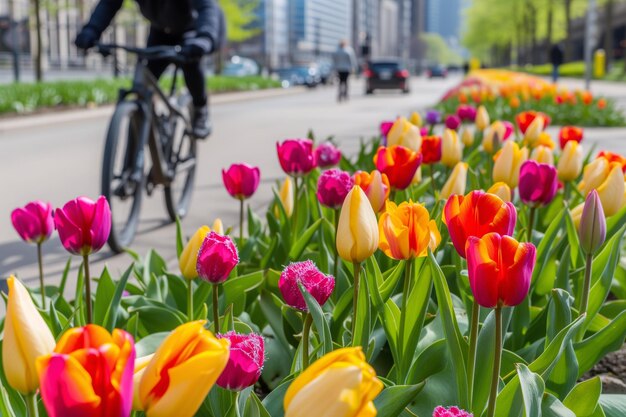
pixel 547 245
pixel 6 409
pixel 269 304
pixel 274 401
pixel 583 399
pixel 66 273
pixel 254 407
pixel 552 407
pixel 592 349
pixel 180 245
pixel 149 344
pixel 533 388
pixel 428 363
pixel 362 315
pixel 391 401
pixel 321 324
pixel 110 317
pixel 300 244
pixel 614 405
pixel 235 287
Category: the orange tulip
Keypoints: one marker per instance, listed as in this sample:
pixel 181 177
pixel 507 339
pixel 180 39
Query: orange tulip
pixel 613 157
pixel 398 163
pixel 375 186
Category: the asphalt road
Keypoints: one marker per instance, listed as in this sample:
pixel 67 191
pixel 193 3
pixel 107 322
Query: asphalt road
pixel 59 160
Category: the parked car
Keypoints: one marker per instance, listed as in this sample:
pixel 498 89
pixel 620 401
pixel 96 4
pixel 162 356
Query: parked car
pixel 299 75
pixel 435 71
pixel 386 74
pixel 241 67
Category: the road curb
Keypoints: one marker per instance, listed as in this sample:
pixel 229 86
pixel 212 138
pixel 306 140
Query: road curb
pixel 63 116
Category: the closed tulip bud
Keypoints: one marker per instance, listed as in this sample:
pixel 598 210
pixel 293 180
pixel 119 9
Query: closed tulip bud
pixel 613 157
pixel 319 285
pixel 499 269
pixel 543 155
pixel 537 183
pixel 451 148
pixel 327 155
pixel 245 362
pixel 84 225
pixel 404 133
pixel 453 122
pixel 416 119
pixel 568 133
pixel 496 135
pixel 594 174
pixel 433 117
pixel 216 258
pixel 339 384
pixel 33 222
pixel 140 368
pixel 286 196
pixel 571 161
pixel 182 371
pixel 296 156
pixel 534 130
pixel 357 234
pixel 332 187
pixel 482 118
pixel 375 186
pixel 466 112
pixel 26 337
pixel 406 231
pixel 525 119
pixel 189 256
pixel 467 137
pixel 508 162
pixel 218 227
pixel 592 227
pixel 501 190
pixel 90 373
pixel 399 164
pixel 431 149
pixel 450 412
pixel 456 182
pixel 241 180
pixel 417 178
pixel 612 190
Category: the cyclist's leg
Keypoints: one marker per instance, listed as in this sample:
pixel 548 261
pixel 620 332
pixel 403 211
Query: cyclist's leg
pixel 156 38
pixel 196 84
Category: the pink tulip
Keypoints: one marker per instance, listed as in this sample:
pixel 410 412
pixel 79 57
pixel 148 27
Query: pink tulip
pixel 216 258
pixel 327 155
pixel 33 222
pixel 450 412
pixel 245 363
pixel 83 225
pixel 508 130
pixel 538 183
pixel 241 180
pixel 424 131
pixel 296 156
pixel 466 112
pixel 385 127
pixel 332 187
pixel 320 286
pixel 453 122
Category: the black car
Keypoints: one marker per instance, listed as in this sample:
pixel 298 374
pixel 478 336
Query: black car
pixel 387 74
pixel 437 71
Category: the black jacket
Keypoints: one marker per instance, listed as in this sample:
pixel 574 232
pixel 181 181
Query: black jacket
pixel 170 16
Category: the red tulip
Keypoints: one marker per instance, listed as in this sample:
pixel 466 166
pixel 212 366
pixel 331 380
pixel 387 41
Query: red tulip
pixel 524 119
pixel 216 258
pixel 241 180
pixel 538 183
pixel 477 214
pixel 319 285
pixel 431 149
pixel 466 112
pixel 613 157
pixel 399 164
pixel 332 187
pixel 568 133
pixel 83 225
pixel 245 363
pixel 296 156
pixel 33 222
pixel 385 127
pixel 327 155
pixel 500 269
pixel 453 122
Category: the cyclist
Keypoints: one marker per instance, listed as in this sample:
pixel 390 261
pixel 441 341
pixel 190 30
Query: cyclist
pixel 197 25
pixel 344 62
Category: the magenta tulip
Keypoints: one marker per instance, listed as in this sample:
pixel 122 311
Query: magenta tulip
pixel 245 363
pixel 450 412
pixel 241 180
pixel 332 188
pixel 296 156
pixel 538 183
pixel 453 122
pixel 84 225
pixel 424 131
pixel 466 112
pixel 508 130
pixel 33 222
pixel 327 155
pixel 216 258
pixel 319 285
pixel 385 127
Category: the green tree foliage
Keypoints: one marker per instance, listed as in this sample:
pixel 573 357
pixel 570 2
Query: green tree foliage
pixel 240 18
pixel 437 51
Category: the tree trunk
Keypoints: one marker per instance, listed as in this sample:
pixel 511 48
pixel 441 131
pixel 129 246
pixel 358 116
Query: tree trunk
pixel 549 29
pixel 533 33
pixel 37 59
pixel 608 34
pixel 568 28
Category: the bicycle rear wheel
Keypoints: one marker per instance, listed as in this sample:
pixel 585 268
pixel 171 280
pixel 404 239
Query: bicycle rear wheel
pixel 122 184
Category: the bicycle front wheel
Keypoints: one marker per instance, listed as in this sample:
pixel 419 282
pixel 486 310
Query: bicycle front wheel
pixel 122 181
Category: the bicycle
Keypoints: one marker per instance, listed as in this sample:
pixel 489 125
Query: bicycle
pixel 146 116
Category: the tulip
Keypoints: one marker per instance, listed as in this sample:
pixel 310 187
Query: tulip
pixel 416 119
pixel 286 196
pixel 376 187
pixel 612 190
pixel 26 337
pixel 497 133
pixel 424 131
pixel 245 362
pixel 357 233
pixel 453 122
pixel 189 256
pixel 568 133
pixel 466 112
pixel 482 118
pixel 456 182
pixel 326 155
pixel 571 161
pixel 525 119
pixel 241 180
pixel 83 225
pixel 592 227
pixel 296 156
pixel 89 374
pixel 543 155
pixel 535 128
pixel 33 222
pixel 140 368
pixel 319 285
pixel 340 384
pixel 467 137
pixel 332 187
pixel 594 174
pixel 433 117
pixel 399 164
pixel 613 157
pixel 182 371
pixel 450 412
pixel 477 214
pixel 501 190
pixel 451 148
pixel 544 139
pixel 537 183
pixel 218 226
pixel 508 163
pixel 385 127
pixel 431 149
pixel 403 133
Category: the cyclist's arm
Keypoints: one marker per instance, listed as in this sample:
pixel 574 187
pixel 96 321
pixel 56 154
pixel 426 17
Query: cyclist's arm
pixel 103 14
pixel 207 22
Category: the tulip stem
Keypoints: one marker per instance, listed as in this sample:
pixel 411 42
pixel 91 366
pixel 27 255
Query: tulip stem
pixel 495 379
pixel 566 192
pixel 87 288
pixel 531 222
pixel 241 224
pixel 306 329
pixel 190 300
pixel 42 288
pixel 216 313
pixel 236 403
pixel 355 296
pixel 31 405
pixel 294 217
pixel 405 299
pixel 336 263
pixel 432 181
pixel 585 297
pixel 473 340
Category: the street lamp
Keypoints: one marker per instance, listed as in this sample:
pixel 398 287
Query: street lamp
pixel 590 35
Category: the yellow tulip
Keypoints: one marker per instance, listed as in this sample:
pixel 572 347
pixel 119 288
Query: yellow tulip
pixel 508 163
pixel 577 213
pixel 502 190
pixel 417 178
pixel 218 226
pixel 612 190
pixel 543 155
pixel 416 119
pixel 544 140
pixel 357 234
pixel 494 136
pixel 534 130
pixel 594 174
pixel 340 384
pixel 467 137
pixel 140 367
pixel 451 148
pixel 456 182
pixel 182 371
pixel 26 337
pixel 404 133
pixel 189 256
pixel 571 161
pixel 286 196
pixel 482 118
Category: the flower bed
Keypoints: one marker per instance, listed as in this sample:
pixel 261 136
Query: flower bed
pixel 393 286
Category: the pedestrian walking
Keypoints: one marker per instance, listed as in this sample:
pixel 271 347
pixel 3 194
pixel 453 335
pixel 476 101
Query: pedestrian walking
pixel 344 63
pixel 556 58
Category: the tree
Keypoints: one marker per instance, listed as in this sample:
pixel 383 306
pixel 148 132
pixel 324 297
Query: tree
pixel 241 15
pixel 37 58
pixel 437 50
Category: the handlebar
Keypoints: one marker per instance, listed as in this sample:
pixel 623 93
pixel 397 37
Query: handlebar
pixel 171 53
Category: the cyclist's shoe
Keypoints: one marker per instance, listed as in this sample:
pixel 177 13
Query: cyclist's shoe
pixel 201 122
